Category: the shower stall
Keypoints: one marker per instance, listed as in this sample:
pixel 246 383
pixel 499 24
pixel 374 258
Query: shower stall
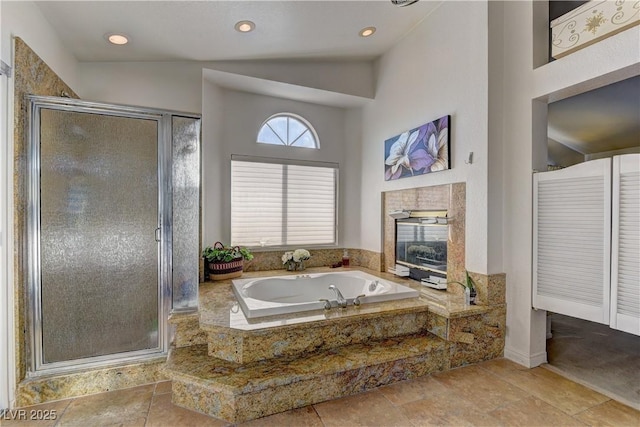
pixel 112 228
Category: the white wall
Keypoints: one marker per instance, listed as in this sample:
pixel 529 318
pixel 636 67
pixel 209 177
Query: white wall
pixel 525 94
pixel 23 19
pixel 496 142
pixel 212 162
pixel 18 19
pixel 169 85
pixel 440 68
pixel 178 85
pixel 348 77
pixel 350 172
pixel 240 116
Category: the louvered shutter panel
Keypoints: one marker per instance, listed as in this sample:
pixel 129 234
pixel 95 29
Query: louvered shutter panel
pixel 572 240
pixel 625 258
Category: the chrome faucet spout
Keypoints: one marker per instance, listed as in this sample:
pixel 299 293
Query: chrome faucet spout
pixel 342 302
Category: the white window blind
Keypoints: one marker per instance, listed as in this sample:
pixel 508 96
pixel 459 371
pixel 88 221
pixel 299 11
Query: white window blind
pixel 278 203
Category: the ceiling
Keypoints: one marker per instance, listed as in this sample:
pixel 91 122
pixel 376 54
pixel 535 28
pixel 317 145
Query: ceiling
pixel 604 119
pixel 601 120
pixel 204 30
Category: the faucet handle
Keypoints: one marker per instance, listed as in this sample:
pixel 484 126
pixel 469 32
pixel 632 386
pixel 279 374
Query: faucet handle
pixel 356 300
pixel 327 303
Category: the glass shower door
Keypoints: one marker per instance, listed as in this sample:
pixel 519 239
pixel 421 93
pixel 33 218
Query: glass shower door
pixel 99 280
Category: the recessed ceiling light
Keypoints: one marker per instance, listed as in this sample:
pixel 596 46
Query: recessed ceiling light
pixel 118 39
pixel 245 26
pixel 366 32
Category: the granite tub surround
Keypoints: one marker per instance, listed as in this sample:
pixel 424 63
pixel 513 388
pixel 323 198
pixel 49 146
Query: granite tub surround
pixel 477 338
pixel 245 346
pixel 37 390
pixel 251 368
pixel 272 260
pixel 219 307
pixel 32 77
pixel 233 337
pixel 237 393
pixel 186 330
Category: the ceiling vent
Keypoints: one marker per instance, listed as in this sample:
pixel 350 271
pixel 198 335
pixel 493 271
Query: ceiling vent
pixel 403 3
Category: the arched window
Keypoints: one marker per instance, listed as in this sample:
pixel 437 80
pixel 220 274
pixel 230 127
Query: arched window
pixel 288 129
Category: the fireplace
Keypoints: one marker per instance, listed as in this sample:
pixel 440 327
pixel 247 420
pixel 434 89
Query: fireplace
pixel 421 243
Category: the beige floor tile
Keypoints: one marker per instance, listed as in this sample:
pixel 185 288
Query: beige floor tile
pixel 301 417
pixel 610 414
pixel 446 409
pixel 104 409
pixel 44 415
pixel 412 390
pixel 533 412
pixel 556 390
pixel 163 413
pixel 364 409
pixel 138 422
pixel 501 367
pixel 163 387
pixel 596 355
pixel 485 390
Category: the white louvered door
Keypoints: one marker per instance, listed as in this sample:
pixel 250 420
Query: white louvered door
pixel 572 240
pixel 625 251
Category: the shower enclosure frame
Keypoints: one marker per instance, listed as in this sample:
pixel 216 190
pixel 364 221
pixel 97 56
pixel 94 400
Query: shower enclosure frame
pixel 163 232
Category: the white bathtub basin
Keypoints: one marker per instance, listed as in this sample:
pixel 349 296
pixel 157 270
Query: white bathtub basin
pixel 268 296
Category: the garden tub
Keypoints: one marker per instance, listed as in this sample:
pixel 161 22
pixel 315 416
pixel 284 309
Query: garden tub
pixel 268 296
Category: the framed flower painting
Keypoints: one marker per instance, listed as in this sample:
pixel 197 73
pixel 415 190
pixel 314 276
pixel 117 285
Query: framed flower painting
pixel 418 151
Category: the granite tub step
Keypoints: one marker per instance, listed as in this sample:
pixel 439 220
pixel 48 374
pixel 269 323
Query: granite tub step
pixel 240 392
pixel 319 331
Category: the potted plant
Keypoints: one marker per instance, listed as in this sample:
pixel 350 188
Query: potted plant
pixel 225 262
pixel 469 289
pixel 294 260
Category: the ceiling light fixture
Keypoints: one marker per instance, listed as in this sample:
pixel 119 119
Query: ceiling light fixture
pixel 366 32
pixel 118 39
pixel 245 26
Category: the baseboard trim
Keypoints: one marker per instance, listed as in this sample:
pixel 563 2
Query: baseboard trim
pixel 530 361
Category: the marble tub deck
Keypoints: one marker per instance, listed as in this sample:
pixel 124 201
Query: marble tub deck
pixel 476 332
pixel 235 368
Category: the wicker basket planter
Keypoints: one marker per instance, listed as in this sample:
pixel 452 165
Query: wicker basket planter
pixel 225 262
pixel 225 270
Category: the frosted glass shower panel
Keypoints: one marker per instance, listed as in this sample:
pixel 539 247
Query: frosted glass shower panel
pixel 186 211
pixel 98 253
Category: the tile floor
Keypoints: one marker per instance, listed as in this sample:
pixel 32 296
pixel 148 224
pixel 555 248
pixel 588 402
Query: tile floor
pixel 493 393
pixel 594 354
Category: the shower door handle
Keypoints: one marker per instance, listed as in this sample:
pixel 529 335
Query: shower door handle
pixel 158 234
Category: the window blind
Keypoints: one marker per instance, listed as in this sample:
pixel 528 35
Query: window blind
pixel 282 204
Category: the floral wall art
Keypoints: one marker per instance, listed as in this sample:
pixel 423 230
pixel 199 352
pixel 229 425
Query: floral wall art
pixel 418 151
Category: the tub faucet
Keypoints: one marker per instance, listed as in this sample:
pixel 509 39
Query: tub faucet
pixel 342 302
